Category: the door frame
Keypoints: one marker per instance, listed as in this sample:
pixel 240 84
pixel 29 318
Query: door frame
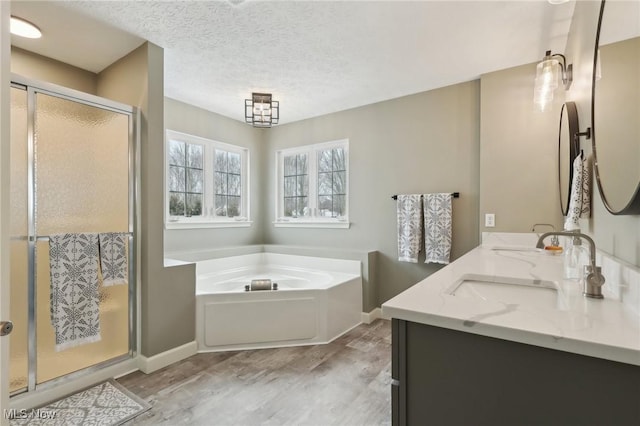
pixel 34 88
pixel 113 367
pixel 5 81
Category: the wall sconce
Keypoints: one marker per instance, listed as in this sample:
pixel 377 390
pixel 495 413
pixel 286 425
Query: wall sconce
pixel 261 110
pixel 547 73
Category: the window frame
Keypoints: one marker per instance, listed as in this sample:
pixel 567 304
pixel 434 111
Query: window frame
pixel 313 221
pixel 208 220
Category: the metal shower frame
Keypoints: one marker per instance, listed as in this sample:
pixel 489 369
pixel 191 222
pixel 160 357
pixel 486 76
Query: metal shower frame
pixel 33 87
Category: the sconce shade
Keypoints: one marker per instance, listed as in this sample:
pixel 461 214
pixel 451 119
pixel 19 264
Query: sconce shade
pixel 546 82
pixel 261 110
pixel 548 74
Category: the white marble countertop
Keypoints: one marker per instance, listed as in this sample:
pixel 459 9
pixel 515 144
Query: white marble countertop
pixel 608 328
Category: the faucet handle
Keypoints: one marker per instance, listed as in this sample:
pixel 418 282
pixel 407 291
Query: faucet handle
pixel 593 282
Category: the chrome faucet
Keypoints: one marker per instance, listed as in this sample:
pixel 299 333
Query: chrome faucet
pixel 594 280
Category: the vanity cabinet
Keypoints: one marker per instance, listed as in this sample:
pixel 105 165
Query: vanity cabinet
pixel 447 377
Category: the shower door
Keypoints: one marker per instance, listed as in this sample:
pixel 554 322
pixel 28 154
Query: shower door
pixel 72 171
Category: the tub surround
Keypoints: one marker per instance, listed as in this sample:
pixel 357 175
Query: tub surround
pixel 317 300
pixel 368 259
pixel 607 329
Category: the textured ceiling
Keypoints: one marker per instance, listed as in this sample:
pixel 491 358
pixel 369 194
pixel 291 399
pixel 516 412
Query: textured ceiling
pixel 316 57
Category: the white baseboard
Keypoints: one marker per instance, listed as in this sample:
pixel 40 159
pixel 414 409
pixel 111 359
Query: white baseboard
pixel 370 317
pixel 161 360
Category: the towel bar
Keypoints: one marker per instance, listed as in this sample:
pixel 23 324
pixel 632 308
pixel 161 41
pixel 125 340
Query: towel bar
pixel 453 194
pixel 46 237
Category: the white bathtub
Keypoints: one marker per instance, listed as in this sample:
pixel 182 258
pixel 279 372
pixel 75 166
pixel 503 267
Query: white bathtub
pixel 317 300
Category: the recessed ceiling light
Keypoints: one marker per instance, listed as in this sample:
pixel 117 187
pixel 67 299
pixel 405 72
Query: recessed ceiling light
pixel 558 1
pixel 23 28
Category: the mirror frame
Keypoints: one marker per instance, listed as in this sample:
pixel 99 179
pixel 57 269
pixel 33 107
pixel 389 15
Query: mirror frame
pixel 633 206
pixel 574 140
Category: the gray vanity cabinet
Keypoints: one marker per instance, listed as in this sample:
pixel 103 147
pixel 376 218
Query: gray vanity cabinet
pixel 447 377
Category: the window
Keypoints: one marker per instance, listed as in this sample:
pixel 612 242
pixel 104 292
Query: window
pixel 332 182
pixel 313 185
pixel 207 183
pixel 228 183
pixel 296 185
pixel 186 177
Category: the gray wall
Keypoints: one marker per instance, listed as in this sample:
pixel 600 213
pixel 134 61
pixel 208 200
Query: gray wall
pixel 518 153
pixel 428 142
pixel 189 119
pixel 518 157
pixel 37 67
pixel 167 294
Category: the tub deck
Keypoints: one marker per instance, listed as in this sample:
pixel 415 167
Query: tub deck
pixel 317 301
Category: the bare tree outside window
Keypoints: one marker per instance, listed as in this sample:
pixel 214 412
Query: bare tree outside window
pixel 186 178
pixel 296 186
pixel 228 184
pixel 332 182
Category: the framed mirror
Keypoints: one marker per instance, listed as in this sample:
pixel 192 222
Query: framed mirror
pixel 615 106
pixel 568 148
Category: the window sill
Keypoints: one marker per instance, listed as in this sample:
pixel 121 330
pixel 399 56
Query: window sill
pixel 212 224
pixel 311 224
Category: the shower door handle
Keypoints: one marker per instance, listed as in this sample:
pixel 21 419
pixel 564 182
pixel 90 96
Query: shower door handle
pixel 5 327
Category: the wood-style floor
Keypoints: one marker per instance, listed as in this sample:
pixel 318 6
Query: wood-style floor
pixel 346 382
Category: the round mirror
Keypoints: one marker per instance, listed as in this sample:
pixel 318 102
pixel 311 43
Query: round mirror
pixel 567 152
pixel 615 106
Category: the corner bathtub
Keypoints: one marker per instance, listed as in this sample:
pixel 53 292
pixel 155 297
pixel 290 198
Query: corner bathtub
pixel 317 300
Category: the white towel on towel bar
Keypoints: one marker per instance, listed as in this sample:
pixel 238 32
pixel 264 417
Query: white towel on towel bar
pixel 437 227
pixel 580 200
pixel 75 313
pixel 113 258
pixel 409 213
pixel 585 211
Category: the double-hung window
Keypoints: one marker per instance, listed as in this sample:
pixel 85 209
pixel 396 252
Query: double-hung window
pixel 313 185
pixel 207 183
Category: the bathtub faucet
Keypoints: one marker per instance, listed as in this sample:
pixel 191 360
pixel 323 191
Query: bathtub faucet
pixel 594 280
pixel 554 240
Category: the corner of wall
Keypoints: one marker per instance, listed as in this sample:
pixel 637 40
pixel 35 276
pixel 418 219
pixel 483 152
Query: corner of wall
pixel 265 143
pixel 33 66
pixel 167 295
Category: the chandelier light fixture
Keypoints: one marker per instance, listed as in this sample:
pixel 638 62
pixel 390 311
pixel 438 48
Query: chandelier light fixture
pixel 548 72
pixel 261 110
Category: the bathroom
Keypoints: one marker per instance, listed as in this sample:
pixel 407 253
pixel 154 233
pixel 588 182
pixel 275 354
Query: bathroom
pixel 478 136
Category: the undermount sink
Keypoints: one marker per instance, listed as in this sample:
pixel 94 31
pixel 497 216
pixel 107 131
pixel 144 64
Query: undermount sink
pixel 507 290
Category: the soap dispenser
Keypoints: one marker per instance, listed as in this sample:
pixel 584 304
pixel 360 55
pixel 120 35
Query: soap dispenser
pixel 583 256
pixel 575 257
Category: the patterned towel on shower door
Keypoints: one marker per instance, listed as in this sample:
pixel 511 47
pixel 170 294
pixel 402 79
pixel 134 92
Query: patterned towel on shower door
pixel 75 313
pixel 113 258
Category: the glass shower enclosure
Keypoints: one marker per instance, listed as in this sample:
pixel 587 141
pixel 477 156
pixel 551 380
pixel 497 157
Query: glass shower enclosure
pixel 72 171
